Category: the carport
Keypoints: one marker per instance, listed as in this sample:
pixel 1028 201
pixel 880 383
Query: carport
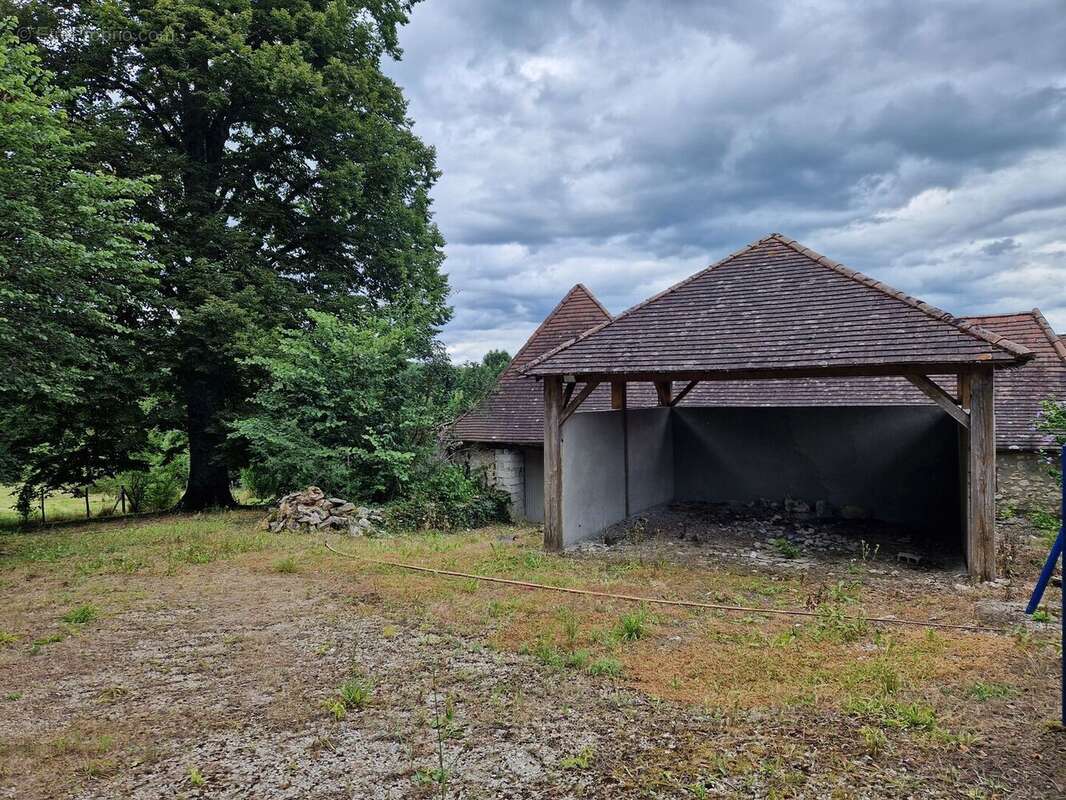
pixel 774 310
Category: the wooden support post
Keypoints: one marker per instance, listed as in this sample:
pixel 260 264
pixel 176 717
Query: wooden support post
pixel 981 533
pixel 42 507
pixel 553 464
pixel 964 466
pixel 618 395
pixel 662 389
pixel 88 513
pixel 122 497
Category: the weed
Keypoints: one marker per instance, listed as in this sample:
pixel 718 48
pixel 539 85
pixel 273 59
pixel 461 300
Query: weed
pixel 81 615
pixel 1041 615
pixel 579 760
pixel 633 626
pixel 6 637
pixel 112 693
pixel 389 632
pixel 991 691
pixel 874 739
pixel 336 707
pixel 1048 524
pixel 577 659
pixel 52 638
pixel 570 627
pixel 835 625
pixel 547 653
pixel 286 566
pixel 698 789
pixel 355 693
pixel 610 667
pixel 12 696
pixel 784 548
pixel 196 778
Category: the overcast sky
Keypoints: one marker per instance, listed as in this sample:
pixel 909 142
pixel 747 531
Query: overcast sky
pixel 626 146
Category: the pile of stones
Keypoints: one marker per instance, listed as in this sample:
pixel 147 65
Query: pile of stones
pixel 310 510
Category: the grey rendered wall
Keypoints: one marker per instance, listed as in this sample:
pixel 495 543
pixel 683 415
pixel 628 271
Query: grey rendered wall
pixel 593 474
pixel 534 511
pixel 594 485
pixel 651 458
pixel 899 464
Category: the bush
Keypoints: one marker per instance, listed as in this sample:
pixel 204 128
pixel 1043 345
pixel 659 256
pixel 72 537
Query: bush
pixel 446 497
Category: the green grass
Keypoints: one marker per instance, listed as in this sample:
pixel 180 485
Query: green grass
pixel 57 506
pixel 633 626
pixel 162 545
pixel 81 615
pixel 992 691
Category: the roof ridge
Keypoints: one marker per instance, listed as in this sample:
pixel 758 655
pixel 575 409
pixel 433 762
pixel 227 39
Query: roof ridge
pixel 1057 344
pixel 970 328
pixel 544 356
pixel 558 307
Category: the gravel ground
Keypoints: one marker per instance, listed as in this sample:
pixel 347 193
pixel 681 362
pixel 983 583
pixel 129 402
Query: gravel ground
pixel 223 673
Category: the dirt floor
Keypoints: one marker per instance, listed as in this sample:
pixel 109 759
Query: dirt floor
pixel 204 658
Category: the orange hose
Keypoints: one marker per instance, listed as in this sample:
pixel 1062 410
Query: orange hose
pixel 659 601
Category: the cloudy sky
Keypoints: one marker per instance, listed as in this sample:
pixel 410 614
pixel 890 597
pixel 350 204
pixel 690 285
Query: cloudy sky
pixel 626 145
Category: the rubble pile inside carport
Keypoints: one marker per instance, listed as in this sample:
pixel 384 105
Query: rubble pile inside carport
pixel 790 534
pixel 311 510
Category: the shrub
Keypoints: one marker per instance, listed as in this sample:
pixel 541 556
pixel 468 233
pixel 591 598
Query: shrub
pixel 445 497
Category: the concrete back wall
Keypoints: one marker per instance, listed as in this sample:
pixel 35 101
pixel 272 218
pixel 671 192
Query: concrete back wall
pixel 594 484
pixel 534 457
pixel 898 463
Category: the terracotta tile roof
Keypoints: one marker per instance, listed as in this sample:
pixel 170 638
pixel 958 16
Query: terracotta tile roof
pixel 1019 391
pixel 776 305
pixel 513 412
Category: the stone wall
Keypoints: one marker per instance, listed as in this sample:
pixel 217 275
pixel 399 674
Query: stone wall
pixel 1024 482
pixel 504 468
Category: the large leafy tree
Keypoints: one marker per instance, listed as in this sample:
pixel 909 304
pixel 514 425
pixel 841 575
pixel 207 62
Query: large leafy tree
pixel 290 178
pixel 77 294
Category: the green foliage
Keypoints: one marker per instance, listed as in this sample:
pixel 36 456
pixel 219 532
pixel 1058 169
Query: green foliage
pixel 353 409
pixel 444 496
pixel 579 760
pixel 1053 421
pixel 633 626
pixel 473 380
pixel 354 693
pixel 290 180
pixel 992 691
pixel 81 615
pixel 77 294
pixel 784 548
pixel 344 407
pixel 158 486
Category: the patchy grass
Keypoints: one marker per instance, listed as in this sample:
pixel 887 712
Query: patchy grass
pixel 889 693
pixel 81 615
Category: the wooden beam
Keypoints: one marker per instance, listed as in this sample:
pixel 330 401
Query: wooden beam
pixel 777 373
pixel 941 398
pixel 553 464
pixel 981 533
pixel 964 466
pixel 572 406
pixel 568 392
pixel 681 395
pixel 663 389
pixel 618 395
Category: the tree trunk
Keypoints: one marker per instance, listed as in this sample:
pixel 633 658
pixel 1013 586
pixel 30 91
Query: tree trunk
pixel 208 472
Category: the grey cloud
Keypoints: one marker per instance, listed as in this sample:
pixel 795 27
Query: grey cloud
pixel 626 144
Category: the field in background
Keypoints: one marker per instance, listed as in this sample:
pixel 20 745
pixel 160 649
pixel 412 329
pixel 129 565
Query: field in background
pixel 62 507
pixel 200 655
